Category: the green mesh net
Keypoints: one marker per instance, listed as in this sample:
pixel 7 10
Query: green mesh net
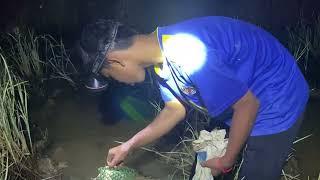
pixel 119 173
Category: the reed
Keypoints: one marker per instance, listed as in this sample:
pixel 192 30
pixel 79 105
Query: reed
pixel 38 58
pixel 299 42
pixel 58 60
pixel 24 53
pixel 304 44
pixel 15 137
pixel 315 39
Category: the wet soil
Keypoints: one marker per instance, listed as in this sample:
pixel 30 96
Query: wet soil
pixel 80 136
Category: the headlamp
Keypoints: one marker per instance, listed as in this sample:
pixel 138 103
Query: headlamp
pixel 95 81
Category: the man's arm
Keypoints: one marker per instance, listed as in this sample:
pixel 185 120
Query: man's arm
pixel 170 115
pixel 245 111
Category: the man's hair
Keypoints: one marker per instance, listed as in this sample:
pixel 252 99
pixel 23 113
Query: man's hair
pixel 123 43
pixel 101 32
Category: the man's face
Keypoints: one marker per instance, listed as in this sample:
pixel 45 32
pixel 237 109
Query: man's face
pixel 125 72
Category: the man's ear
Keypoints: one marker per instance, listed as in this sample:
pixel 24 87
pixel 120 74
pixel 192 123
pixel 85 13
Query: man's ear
pixel 112 63
pixel 122 62
pixel 114 58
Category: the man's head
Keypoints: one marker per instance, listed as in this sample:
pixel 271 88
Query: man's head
pixel 104 48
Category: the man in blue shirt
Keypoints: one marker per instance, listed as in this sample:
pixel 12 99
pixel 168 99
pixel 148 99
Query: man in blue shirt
pixel 215 64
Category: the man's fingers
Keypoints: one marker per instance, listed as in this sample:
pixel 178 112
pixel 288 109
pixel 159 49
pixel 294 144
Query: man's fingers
pixel 110 157
pixel 116 156
pixel 205 163
pixel 113 162
pixel 119 164
pixel 116 161
pixel 215 172
pixel 210 164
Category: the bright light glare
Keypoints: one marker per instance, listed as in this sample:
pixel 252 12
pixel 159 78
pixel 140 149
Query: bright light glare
pixel 186 50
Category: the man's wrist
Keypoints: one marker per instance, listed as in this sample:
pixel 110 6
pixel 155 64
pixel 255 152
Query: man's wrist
pixel 227 161
pixel 224 166
pixel 129 145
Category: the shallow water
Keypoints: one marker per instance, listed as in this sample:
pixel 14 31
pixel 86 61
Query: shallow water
pixel 80 138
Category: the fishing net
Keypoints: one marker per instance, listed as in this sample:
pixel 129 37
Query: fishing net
pixel 119 173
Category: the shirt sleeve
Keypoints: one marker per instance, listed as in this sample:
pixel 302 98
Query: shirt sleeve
pixel 166 94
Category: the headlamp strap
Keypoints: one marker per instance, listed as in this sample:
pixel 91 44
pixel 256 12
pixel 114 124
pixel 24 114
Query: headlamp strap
pixel 102 50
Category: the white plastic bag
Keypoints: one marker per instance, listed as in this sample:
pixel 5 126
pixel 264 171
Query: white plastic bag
pixel 212 144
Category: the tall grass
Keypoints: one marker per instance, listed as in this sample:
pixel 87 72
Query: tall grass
pixel 26 62
pixel 304 44
pixel 38 58
pixel 58 60
pixel 315 41
pixel 299 42
pixel 24 47
pixel 15 138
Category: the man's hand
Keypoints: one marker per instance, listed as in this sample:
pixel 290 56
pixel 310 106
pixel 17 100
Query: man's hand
pixel 172 113
pixel 218 165
pixel 117 154
pixel 244 115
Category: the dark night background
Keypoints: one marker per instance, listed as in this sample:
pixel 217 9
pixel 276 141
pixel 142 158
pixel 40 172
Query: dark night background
pixel 66 17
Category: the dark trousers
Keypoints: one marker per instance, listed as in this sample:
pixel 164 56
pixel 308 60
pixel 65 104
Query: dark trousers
pixel 264 156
